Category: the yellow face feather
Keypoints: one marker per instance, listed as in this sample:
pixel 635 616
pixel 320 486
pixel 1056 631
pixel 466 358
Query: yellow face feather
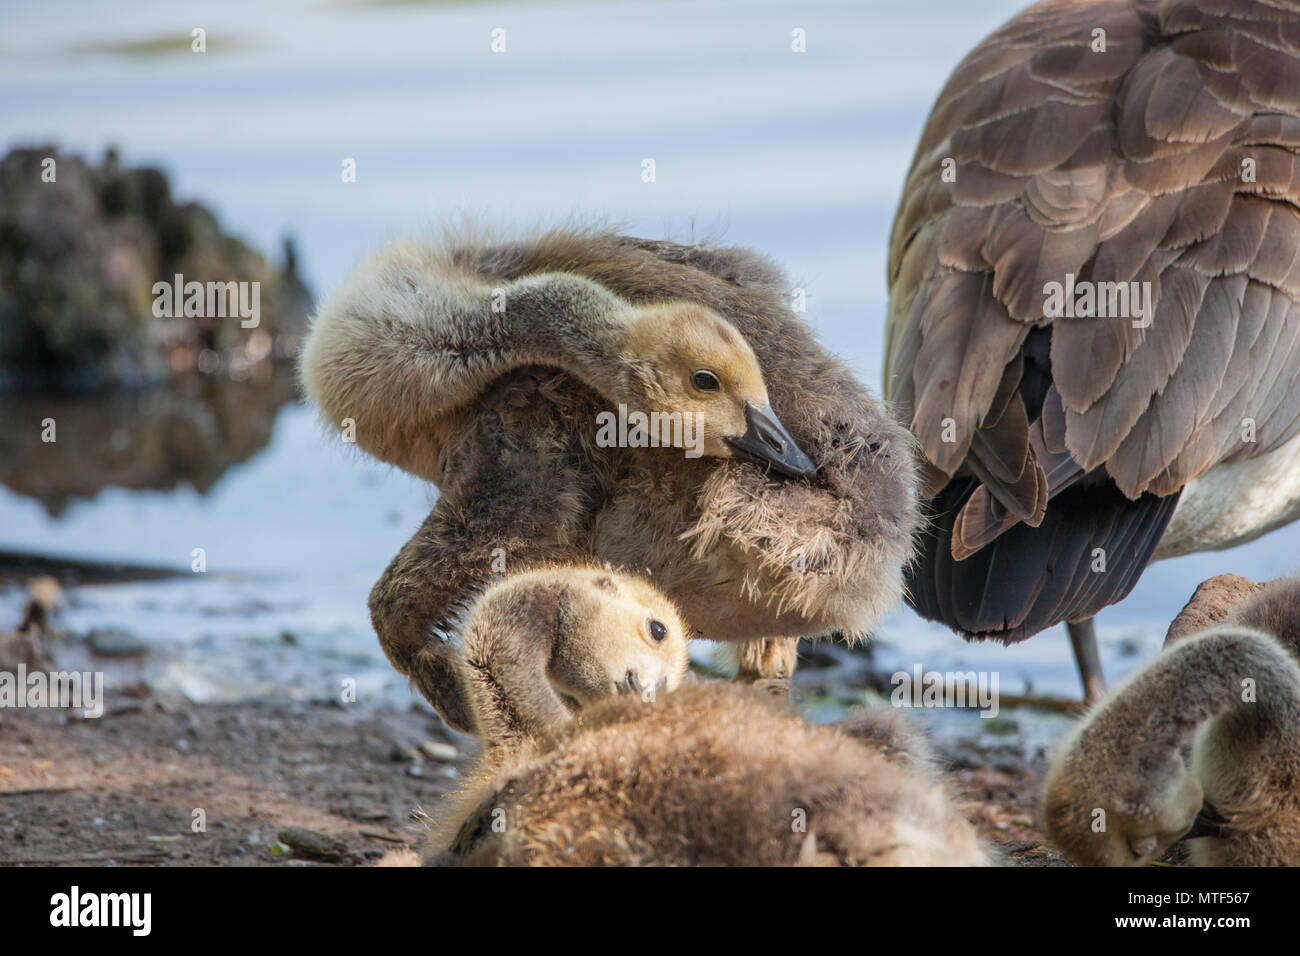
pixel 622 635
pixel 686 348
pixel 686 360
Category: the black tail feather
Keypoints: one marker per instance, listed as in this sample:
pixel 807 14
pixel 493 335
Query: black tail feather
pixel 1030 579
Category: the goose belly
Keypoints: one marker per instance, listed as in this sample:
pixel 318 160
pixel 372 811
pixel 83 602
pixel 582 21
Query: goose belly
pixel 1233 504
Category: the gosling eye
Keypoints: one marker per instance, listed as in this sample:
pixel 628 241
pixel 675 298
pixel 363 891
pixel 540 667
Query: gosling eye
pixel 705 380
pixel 658 631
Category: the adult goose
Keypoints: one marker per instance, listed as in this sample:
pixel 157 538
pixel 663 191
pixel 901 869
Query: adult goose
pixel 1093 328
pixel 497 370
pixel 596 753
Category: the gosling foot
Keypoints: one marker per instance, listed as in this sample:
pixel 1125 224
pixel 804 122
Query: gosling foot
pixel 768 663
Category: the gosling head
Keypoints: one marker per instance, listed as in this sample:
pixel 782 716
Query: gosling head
pixel 1142 816
pixel 686 358
pixel 616 634
pixel 539 646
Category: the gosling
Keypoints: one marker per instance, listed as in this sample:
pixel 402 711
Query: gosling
pixel 597 752
pixel 1202 743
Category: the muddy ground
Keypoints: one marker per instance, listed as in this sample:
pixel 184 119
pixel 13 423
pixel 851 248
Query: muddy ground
pixel 122 789
pixel 285 785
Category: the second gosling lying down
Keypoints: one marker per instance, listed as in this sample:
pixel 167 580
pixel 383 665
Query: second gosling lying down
pixel 1203 742
pixel 705 774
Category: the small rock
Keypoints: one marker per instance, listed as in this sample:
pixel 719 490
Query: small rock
pixel 313 845
pixel 111 642
pixel 443 753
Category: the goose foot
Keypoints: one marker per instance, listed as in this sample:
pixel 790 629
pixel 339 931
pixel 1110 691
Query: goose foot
pixel 768 663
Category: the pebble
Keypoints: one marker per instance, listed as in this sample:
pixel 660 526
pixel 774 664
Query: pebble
pixel 111 642
pixel 313 845
pixel 443 753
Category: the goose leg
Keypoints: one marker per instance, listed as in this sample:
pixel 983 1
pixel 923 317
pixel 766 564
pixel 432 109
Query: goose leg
pixel 768 662
pixel 1083 638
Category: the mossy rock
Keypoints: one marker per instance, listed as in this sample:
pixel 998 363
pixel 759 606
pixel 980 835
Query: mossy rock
pixel 79 260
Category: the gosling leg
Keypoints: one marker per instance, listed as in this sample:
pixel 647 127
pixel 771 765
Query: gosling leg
pixel 1083 638
pixel 768 663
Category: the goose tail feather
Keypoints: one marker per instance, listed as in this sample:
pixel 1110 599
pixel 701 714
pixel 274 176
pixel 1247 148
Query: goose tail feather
pixel 1087 554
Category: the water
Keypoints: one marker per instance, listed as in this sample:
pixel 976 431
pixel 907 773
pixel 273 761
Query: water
pixel 798 155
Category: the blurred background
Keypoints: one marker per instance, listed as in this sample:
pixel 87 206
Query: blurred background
pixel 798 155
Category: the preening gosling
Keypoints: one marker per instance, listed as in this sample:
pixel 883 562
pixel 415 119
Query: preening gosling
pixel 515 375
pixel 580 768
pixel 1202 743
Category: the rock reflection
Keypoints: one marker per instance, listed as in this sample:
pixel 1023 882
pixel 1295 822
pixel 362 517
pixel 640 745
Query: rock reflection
pixel 188 430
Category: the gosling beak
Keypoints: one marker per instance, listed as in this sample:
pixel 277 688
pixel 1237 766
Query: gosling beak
pixel 630 684
pixel 767 442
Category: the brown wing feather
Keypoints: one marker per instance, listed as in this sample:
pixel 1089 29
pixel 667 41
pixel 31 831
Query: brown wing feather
pixel 1222 424
pixel 1171 421
pixel 1003 447
pixel 1094 436
pixel 966 340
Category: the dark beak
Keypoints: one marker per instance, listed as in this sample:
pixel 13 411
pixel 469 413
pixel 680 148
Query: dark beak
pixel 767 442
pixel 630 684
